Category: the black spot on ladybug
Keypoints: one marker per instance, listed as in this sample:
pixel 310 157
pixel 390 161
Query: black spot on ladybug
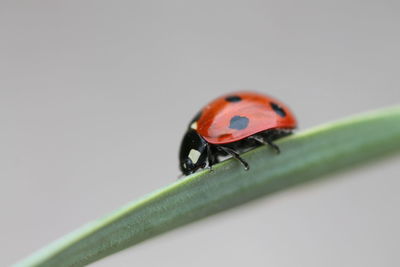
pixel 280 111
pixel 233 98
pixel 196 118
pixel 239 123
pixel 198 115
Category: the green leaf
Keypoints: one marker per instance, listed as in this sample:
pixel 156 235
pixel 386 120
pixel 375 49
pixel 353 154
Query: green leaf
pixel 307 155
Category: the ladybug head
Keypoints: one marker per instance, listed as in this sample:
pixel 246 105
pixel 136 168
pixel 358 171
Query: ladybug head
pixel 193 153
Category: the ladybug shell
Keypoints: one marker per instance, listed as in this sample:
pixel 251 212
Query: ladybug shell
pixel 236 116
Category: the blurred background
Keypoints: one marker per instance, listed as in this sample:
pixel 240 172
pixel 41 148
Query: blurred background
pixel 96 95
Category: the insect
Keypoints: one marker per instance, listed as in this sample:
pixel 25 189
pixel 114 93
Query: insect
pixel 232 124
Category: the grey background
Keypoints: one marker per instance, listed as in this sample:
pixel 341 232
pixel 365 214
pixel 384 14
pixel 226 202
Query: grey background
pixel 95 97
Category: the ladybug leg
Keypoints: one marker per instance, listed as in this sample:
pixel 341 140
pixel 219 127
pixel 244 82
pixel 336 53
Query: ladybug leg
pixel 272 135
pixel 234 154
pixel 274 146
pixel 266 141
pixel 210 158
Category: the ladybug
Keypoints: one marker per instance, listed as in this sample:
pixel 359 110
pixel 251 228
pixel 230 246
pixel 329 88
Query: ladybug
pixel 232 124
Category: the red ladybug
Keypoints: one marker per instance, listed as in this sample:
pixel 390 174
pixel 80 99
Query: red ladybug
pixel 232 124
